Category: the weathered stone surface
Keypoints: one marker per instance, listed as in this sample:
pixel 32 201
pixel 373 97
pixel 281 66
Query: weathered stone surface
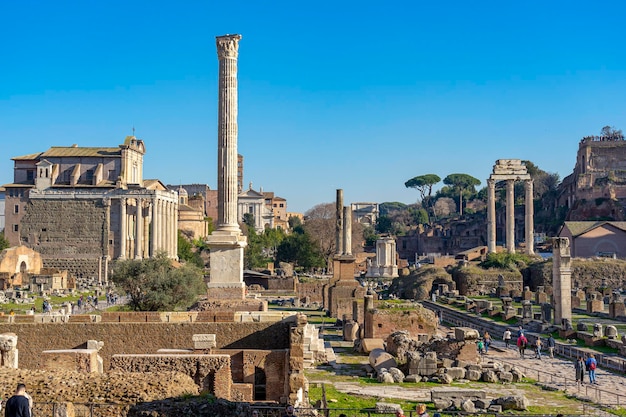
pixel 398 375
pixel 517 375
pixel 399 343
pixel 412 378
pixel 443 403
pixel 505 377
pixel 386 377
pixel 465 333
pixel 368 345
pixel 456 373
pixel 481 403
pixel 512 402
pixel 473 375
pixel 468 406
pixel 379 359
pixel 445 379
pixel 383 407
pixel 489 376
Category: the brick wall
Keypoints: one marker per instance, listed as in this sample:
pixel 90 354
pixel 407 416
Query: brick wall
pixel 140 338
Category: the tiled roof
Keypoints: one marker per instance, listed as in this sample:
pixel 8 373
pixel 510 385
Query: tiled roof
pixel 69 151
pixel 578 228
pixel 28 157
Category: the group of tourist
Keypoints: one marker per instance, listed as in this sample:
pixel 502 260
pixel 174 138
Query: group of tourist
pixel 587 364
pixel 421 412
pixel 522 343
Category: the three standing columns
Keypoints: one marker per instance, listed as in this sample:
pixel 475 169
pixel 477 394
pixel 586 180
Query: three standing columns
pixel 510 216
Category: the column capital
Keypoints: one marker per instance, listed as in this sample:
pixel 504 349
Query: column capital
pixel 491 182
pixel 227 46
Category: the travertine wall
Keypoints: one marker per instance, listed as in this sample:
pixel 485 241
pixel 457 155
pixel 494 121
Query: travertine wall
pixel 140 338
pixel 73 232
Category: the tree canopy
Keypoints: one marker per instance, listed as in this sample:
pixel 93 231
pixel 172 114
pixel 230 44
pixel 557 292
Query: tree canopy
pixel 461 183
pixel 423 184
pixel 156 285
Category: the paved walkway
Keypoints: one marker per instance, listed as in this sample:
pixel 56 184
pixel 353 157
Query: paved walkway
pixel 557 373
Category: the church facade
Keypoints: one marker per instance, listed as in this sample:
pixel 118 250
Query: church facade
pixel 81 207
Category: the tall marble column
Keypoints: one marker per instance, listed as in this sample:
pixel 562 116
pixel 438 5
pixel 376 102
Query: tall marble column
pixel 227 53
pixel 123 228
pixel 510 216
pixel 226 243
pixel 529 218
pixel 138 229
pixel 491 216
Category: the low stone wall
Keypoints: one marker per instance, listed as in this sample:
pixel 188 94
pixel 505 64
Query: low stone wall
pixel 210 372
pixel 140 338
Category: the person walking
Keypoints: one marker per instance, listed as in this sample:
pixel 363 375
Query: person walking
pixel 18 405
pixel 551 346
pixel 538 346
pixel 579 367
pixel 507 337
pixel 521 345
pixel 591 365
pixel 487 339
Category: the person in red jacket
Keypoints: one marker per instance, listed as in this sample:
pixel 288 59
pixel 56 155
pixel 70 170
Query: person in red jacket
pixel 522 342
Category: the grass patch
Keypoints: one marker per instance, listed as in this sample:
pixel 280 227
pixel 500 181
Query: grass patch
pixel 340 400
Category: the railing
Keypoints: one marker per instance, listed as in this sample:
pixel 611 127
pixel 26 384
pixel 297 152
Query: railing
pixel 602 397
pixel 352 412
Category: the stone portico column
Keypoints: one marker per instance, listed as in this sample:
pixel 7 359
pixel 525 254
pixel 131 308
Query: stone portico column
pixel 167 229
pixel 138 229
pixel 529 218
pixel 161 225
pixel 510 216
pixel 155 227
pixel 146 231
pixel 122 228
pixel 491 216
pixel 175 240
pixel 227 54
pixel 347 230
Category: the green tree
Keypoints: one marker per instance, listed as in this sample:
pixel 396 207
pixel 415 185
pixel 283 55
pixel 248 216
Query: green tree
pixel 188 252
pixel 299 248
pixel 156 285
pixel 424 185
pixel 462 183
pixel 253 256
pixel 4 243
pixel 384 224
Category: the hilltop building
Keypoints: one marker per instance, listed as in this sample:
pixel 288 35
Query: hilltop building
pixel 599 173
pixel 81 207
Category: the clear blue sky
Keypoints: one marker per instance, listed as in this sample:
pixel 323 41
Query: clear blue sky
pixel 357 95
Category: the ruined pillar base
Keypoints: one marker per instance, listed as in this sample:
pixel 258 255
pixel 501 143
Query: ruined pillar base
pixel 226 257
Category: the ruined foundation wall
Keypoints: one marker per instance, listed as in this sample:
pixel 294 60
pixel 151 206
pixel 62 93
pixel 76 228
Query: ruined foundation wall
pixel 140 338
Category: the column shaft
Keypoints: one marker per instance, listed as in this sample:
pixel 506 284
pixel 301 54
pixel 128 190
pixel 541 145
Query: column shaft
pixel 491 216
pixel 510 216
pixel 227 133
pixel 347 230
pixel 529 218
pixel 138 229
pixel 122 228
